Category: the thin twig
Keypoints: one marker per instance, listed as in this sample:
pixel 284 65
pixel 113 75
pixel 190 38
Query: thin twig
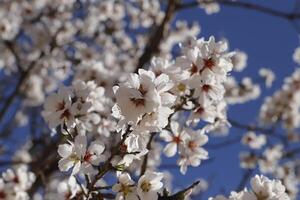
pixel 155 39
pixel 244 5
pixel 224 144
pixel 145 161
pixel 10 45
pixel 179 195
pixel 268 132
pixel 244 179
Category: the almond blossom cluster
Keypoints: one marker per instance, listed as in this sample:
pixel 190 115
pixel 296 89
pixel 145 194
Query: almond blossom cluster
pixel 203 69
pixel 146 188
pixel 188 143
pixel 81 104
pixel 241 92
pixel 209 6
pixel 238 92
pixel 268 161
pixel 14 183
pixel 78 156
pixel 272 160
pixel 261 188
pixel 147 102
pixel 283 106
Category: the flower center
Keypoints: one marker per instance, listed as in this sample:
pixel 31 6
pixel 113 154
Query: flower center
pixel 2 28
pixel 199 110
pixel 123 149
pixel 261 196
pixel 177 139
pixel 146 186
pixel 181 87
pixel 60 106
pixel 87 157
pixel 193 69
pixel 125 189
pixel 192 145
pixel 68 195
pixel 209 63
pixel 142 90
pixel 206 88
pixel 138 102
pixel 15 179
pixel 2 195
pixel 248 139
pixel 66 114
pixel 74 158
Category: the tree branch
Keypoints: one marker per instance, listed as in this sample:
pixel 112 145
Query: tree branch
pixel 155 39
pixel 145 161
pixel 244 179
pixel 179 195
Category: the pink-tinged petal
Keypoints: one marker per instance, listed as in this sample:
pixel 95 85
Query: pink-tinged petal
pixel 133 80
pixel 167 99
pixel 166 136
pixel 97 148
pixel 157 186
pixel 65 150
pixel 80 145
pixel 76 168
pixel 203 139
pixel 116 188
pixel 174 127
pixel 195 162
pixel 65 164
pixel 170 150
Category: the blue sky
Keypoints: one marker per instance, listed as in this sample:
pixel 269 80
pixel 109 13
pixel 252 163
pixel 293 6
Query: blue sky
pixel 269 42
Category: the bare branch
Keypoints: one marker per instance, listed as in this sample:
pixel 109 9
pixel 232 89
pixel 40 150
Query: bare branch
pixel 179 195
pixel 244 5
pixel 248 173
pixel 145 161
pixel 156 37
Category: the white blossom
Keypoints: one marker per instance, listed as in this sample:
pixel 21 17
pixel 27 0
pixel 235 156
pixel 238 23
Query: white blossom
pixel 174 138
pixel 77 156
pixel 125 188
pixel 268 75
pixel 254 141
pixel 149 185
pixel 296 55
